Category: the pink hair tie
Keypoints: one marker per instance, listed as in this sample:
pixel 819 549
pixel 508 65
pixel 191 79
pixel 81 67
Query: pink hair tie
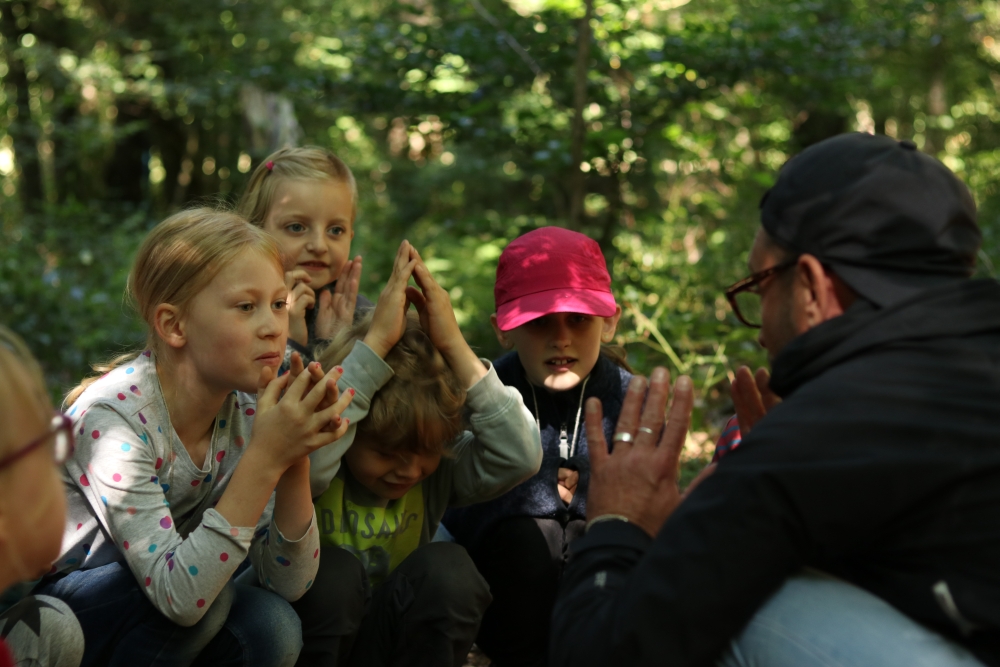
pixel 270 166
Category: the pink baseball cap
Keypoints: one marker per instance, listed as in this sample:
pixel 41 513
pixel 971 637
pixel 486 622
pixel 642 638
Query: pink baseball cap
pixel 551 270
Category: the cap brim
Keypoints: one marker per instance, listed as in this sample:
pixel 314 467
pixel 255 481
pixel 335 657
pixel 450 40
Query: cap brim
pixel 532 306
pixel 887 288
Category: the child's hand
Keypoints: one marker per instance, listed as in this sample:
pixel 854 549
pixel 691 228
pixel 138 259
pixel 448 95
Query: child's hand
pixel 300 298
pixel 315 371
pixel 437 319
pixel 568 479
pixel 289 426
pixel 389 320
pixel 336 310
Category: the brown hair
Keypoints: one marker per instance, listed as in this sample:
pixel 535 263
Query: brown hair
pixel 421 408
pixel 177 260
pixel 304 163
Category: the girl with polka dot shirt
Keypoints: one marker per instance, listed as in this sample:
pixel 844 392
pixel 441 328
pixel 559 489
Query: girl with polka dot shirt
pixel 193 455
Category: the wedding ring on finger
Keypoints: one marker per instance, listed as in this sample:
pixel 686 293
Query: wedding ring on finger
pixel 646 429
pixel 622 436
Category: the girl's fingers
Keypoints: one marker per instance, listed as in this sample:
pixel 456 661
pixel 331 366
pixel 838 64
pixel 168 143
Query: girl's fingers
pixel 316 394
pixel 596 444
pixel 297 389
pixel 292 278
pixel 678 421
pixel 651 420
pixel 324 417
pixel 269 389
pixel 295 366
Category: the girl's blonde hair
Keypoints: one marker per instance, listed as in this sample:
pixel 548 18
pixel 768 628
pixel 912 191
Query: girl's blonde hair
pixel 14 351
pixel 421 408
pixel 177 260
pixel 299 164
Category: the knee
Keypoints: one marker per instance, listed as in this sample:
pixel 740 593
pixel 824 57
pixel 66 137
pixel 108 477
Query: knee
pixel 266 626
pixel 213 620
pixel 446 573
pixel 338 596
pixel 59 639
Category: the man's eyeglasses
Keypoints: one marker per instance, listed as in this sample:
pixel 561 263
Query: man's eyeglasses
pixel 60 434
pixel 744 296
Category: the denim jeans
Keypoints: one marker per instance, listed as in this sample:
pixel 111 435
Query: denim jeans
pixel 245 626
pixel 815 619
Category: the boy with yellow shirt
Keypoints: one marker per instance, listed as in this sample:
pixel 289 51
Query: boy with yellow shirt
pixel 384 593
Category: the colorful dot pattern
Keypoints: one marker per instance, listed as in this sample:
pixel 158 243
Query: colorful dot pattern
pixel 132 446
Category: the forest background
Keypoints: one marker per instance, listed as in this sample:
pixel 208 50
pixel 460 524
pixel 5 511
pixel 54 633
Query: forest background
pixel 652 125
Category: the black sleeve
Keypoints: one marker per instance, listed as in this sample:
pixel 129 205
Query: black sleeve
pixel 626 599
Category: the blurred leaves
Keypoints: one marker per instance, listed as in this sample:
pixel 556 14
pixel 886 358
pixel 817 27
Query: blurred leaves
pixel 455 117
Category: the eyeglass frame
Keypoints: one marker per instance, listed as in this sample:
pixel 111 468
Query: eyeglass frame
pixel 752 284
pixel 59 424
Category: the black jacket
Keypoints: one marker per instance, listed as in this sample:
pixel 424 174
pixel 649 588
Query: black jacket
pixel 881 466
pixel 538 496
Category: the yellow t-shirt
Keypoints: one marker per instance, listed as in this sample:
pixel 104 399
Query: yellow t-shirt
pixel 381 537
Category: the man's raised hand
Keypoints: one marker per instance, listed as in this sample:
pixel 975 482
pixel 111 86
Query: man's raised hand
pixel 752 397
pixel 638 479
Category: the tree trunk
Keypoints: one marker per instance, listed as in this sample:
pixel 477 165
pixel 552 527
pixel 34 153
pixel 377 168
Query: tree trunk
pixel 579 134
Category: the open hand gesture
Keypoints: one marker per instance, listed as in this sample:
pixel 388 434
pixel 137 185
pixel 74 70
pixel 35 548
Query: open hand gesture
pixel 389 320
pixel 752 397
pixel 638 480
pixel 336 308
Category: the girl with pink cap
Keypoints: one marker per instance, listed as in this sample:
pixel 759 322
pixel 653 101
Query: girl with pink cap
pixel 556 312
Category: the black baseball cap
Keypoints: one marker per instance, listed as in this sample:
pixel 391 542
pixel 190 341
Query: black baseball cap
pixel 887 219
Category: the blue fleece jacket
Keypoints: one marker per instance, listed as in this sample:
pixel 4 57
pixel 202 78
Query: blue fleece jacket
pixel 538 496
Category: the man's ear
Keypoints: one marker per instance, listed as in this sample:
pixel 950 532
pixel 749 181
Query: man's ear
pixel 818 292
pixel 169 325
pixel 505 341
pixel 610 325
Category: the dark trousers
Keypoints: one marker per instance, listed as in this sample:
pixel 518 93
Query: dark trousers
pixel 244 626
pixel 427 612
pixel 522 560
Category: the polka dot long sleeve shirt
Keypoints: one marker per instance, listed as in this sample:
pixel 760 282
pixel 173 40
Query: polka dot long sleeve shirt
pixel 136 497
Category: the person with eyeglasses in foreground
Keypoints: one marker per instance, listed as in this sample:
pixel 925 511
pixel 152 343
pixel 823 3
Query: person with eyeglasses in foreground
pixel 37 630
pixel 858 523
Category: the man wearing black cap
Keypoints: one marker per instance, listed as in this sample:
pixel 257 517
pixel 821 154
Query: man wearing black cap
pixel 859 521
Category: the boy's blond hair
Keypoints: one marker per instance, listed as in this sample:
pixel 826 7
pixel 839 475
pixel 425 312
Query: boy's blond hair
pixel 421 408
pixel 177 260
pixel 306 163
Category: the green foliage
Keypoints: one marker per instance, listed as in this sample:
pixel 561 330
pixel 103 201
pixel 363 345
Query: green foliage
pixel 456 118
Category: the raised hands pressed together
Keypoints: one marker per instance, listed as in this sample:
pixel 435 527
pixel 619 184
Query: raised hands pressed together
pixel 334 308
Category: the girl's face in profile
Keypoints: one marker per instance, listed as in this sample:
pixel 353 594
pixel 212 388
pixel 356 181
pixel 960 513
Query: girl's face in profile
pixel 32 500
pixel 237 324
